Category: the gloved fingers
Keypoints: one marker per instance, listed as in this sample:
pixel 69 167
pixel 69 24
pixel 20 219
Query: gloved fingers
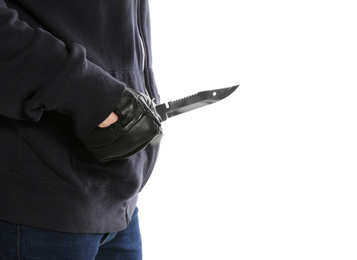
pixel 138 126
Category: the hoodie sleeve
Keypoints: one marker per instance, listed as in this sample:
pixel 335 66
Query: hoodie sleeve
pixel 38 73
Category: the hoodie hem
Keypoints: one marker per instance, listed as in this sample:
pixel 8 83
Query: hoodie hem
pixel 63 209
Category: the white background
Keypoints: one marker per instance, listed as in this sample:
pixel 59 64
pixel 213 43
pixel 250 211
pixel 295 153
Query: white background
pixel 270 172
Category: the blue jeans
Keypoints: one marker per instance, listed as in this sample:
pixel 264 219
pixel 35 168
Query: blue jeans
pixel 26 243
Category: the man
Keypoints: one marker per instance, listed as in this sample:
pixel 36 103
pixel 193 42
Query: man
pixel 65 66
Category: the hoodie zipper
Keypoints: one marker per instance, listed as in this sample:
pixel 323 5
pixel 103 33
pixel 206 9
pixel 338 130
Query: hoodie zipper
pixel 144 53
pixel 142 47
pixel 143 64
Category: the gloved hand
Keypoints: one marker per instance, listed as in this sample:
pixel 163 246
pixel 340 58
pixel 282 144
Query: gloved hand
pixel 138 126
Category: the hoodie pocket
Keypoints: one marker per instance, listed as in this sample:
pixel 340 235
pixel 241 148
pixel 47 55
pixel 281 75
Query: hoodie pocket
pixel 9 144
pixel 124 178
pixel 42 160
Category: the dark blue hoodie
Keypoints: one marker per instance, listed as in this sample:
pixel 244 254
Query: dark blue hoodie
pixel 64 65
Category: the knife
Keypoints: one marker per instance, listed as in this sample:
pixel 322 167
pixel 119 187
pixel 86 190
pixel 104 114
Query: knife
pixel 200 99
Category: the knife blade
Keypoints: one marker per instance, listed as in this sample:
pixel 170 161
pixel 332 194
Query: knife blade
pixel 200 99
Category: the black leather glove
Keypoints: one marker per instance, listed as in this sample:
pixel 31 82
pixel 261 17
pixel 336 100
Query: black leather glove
pixel 138 126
